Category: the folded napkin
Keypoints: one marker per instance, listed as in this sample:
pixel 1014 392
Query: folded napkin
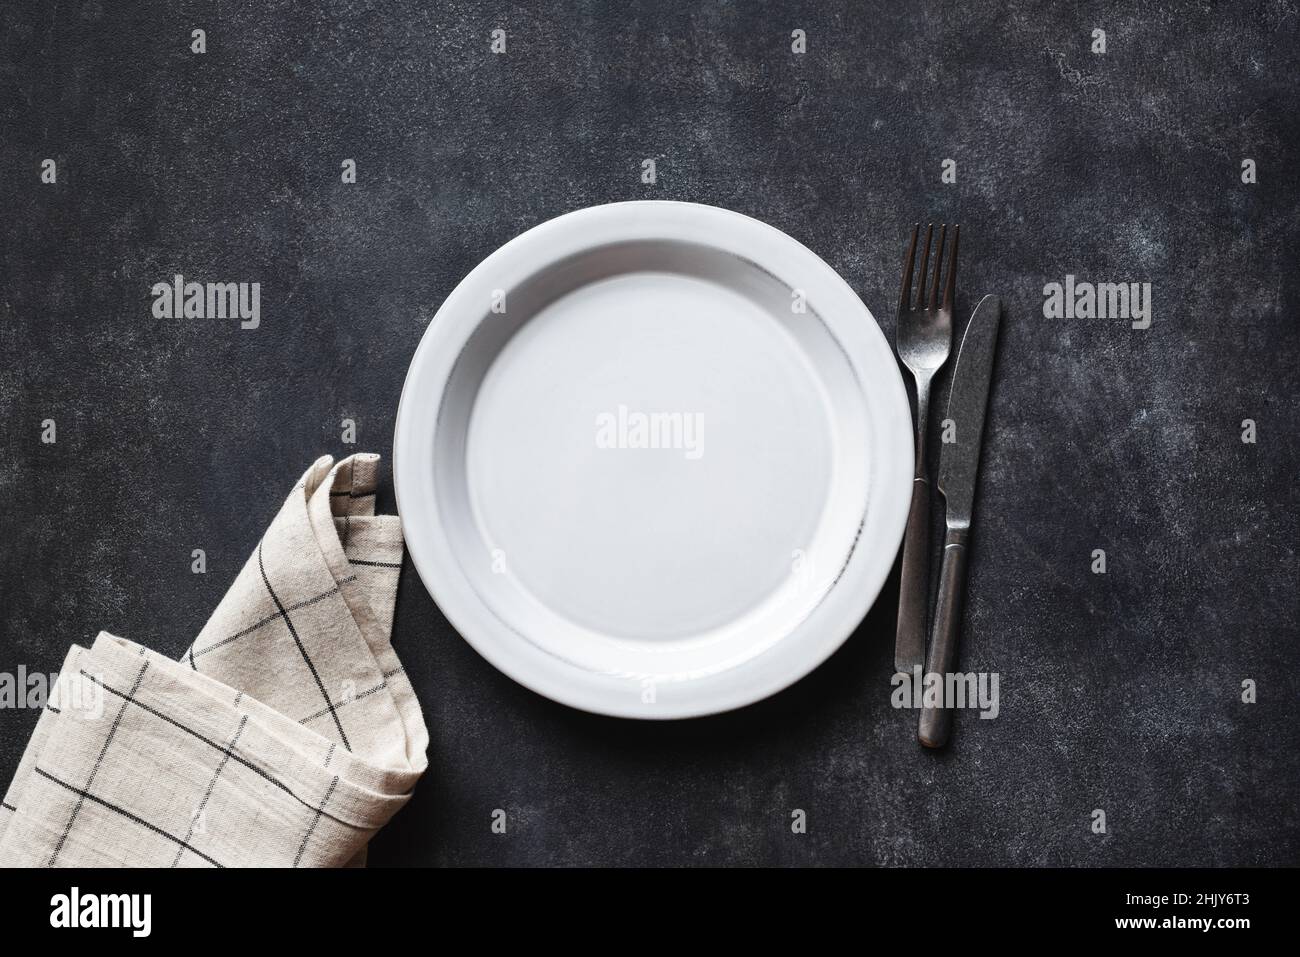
pixel 285 736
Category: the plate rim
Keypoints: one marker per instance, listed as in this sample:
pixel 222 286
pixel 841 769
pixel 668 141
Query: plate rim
pixel 887 506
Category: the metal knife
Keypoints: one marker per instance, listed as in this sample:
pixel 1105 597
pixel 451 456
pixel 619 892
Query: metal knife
pixel 959 463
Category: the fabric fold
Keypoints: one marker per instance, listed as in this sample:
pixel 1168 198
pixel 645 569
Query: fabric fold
pixel 286 735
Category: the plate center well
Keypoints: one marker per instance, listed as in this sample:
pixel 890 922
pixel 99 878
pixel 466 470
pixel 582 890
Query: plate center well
pixel 649 455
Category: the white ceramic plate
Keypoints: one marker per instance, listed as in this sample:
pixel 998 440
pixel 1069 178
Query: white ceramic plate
pixel 653 459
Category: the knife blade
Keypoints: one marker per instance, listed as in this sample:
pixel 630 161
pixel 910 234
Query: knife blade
pixel 958 471
pixel 959 460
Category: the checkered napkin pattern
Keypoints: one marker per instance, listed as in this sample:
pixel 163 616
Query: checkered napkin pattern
pixel 286 735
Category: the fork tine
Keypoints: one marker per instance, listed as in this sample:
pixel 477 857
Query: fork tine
pixel 925 262
pixel 905 296
pixel 950 288
pixel 938 267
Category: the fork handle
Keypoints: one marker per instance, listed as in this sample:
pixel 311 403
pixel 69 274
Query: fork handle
pixel 914 587
pixel 936 723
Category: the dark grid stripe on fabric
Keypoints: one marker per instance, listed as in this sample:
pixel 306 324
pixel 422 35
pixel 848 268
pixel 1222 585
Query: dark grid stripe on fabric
pixel 84 793
pixel 239 759
pixel 301 649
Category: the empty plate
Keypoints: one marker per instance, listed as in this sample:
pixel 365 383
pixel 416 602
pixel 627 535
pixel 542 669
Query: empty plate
pixel 653 459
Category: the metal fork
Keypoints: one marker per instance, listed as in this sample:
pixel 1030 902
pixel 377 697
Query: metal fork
pixel 924 341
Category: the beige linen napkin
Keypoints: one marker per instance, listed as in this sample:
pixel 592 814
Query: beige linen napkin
pixel 285 736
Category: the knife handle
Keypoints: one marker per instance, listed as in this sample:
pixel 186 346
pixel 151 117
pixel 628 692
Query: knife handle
pixel 936 723
pixel 914 585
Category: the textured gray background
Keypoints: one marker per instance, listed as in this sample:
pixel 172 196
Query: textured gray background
pixel 1119 691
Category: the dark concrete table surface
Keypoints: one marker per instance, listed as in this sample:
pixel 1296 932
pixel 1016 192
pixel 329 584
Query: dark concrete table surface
pixel 1120 691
